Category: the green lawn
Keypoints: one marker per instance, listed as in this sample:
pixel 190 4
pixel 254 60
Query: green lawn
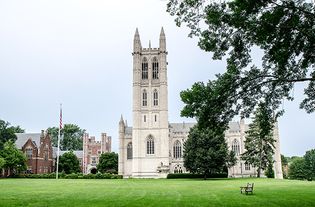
pixel 147 192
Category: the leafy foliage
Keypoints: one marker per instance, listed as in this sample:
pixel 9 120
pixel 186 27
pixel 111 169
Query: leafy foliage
pixel 297 169
pixel 259 143
pixel 15 160
pixel 205 152
pixel 309 158
pixel 69 163
pixel 108 162
pixel 7 132
pixel 284 160
pixel 191 175
pixel 71 137
pixel 69 176
pixel 269 171
pixel 283 30
pixel 2 163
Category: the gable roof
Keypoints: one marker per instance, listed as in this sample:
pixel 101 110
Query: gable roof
pixel 23 137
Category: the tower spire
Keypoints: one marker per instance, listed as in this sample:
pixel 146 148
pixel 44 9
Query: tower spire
pixel 136 42
pixel 162 41
pixel 162 33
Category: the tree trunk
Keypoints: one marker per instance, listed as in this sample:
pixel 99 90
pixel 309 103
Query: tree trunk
pixel 258 172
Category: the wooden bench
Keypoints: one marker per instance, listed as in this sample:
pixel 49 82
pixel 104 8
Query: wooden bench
pixel 247 189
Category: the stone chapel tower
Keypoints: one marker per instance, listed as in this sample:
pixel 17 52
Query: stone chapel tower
pixel 150 109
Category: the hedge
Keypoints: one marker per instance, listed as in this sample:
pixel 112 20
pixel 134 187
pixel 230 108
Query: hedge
pixel 69 176
pixel 191 175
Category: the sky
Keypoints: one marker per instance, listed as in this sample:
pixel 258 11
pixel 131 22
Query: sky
pixel 78 53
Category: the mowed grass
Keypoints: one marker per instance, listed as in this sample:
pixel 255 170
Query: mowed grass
pixel 160 192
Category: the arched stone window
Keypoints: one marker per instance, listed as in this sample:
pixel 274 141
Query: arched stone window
pixel 144 68
pixel 177 150
pixel 236 147
pixel 144 98
pixel 178 169
pixel 129 151
pixel 150 145
pixel 155 68
pixel 155 98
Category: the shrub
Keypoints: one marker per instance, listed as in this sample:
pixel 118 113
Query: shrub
pixel 72 176
pixel 98 176
pixel 69 176
pixel 192 175
pixel 269 171
pixel 297 169
pixel 89 176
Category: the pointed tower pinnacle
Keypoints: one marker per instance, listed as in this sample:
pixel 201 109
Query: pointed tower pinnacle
pixel 137 32
pixel 162 33
pixel 136 42
pixel 162 41
pixel 150 44
pixel 121 124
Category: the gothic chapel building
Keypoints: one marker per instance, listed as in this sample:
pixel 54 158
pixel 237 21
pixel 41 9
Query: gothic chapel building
pixel 153 147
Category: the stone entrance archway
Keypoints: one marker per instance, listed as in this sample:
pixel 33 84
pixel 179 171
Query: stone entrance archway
pixel 93 171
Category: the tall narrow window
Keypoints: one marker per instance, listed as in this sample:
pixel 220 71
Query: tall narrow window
pixel 236 147
pixel 177 150
pixel 144 118
pixel 155 98
pixel 150 145
pixel 29 153
pixel 155 68
pixel 144 98
pixel 155 118
pixel 129 151
pixel 46 155
pixel 144 68
pixel 247 166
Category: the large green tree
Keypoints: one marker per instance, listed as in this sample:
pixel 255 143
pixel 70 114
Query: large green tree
pixel 71 137
pixel 7 132
pixel 283 29
pixel 108 162
pixel 309 159
pixel 206 152
pixel 297 169
pixel 259 143
pixel 15 160
pixel 69 163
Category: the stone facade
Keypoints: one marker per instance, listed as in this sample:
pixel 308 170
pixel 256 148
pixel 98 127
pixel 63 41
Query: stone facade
pixel 39 152
pixel 153 147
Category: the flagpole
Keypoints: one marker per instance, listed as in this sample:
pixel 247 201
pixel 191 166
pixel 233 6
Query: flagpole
pixel 58 146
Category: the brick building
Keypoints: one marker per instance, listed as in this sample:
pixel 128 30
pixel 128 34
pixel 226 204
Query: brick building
pixel 92 150
pixel 39 152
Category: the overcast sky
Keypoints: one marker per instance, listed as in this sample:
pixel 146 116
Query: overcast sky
pixel 78 53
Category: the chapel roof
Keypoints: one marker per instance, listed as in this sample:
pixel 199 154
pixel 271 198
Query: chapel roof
pixel 23 137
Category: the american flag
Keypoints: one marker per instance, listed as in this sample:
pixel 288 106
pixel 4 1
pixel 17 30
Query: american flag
pixel 60 126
